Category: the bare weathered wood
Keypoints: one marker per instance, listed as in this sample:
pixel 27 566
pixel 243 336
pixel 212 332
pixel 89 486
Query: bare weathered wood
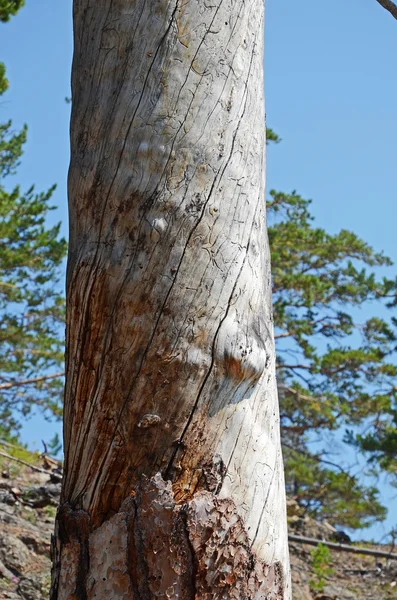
pixel 300 539
pixel 171 403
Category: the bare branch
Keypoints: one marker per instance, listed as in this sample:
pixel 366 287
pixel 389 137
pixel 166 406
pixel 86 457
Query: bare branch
pixel 282 335
pixel 292 367
pixel 318 458
pixel 291 390
pixel 23 462
pixel 20 382
pixel 390 6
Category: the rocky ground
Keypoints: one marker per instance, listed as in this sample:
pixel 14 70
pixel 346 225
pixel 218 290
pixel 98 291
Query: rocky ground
pixel 352 576
pixel 28 502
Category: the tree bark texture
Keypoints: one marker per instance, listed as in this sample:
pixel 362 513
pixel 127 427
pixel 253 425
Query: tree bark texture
pixel 173 481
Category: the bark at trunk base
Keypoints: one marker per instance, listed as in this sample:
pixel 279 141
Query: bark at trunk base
pixel 155 548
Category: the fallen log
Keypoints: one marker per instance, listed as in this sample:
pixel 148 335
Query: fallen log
pixel 341 547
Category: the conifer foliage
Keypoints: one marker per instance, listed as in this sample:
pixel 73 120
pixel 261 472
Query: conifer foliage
pixel 8 8
pixel 31 295
pixel 335 367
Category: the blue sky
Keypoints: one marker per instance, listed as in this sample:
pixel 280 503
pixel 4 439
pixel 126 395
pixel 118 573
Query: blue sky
pixel 331 94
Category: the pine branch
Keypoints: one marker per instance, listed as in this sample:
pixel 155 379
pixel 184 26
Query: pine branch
pixel 390 6
pixel 20 382
pixel 317 457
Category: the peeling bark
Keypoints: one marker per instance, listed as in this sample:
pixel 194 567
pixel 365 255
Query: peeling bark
pixel 155 548
pixel 170 376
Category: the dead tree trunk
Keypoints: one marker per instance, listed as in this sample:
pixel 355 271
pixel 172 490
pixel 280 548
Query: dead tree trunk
pixel 173 473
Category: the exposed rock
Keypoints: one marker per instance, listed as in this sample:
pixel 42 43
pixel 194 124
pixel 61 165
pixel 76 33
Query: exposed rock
pixel 7 497
pixel 333 591
pixel 39 545
pixel 4 572
pixel 355 577
pixel 31 588
pixel 341 537
pixel 25 533
pixel 13 553
pixel 43 495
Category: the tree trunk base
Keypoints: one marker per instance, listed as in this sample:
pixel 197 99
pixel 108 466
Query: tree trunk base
pixel 155 548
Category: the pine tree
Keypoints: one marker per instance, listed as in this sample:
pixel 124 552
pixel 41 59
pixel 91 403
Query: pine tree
pixel 334 370
pixel 9 8
pixel 31 296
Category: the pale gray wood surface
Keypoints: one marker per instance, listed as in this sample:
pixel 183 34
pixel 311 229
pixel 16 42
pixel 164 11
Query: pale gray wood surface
pixel 170 353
